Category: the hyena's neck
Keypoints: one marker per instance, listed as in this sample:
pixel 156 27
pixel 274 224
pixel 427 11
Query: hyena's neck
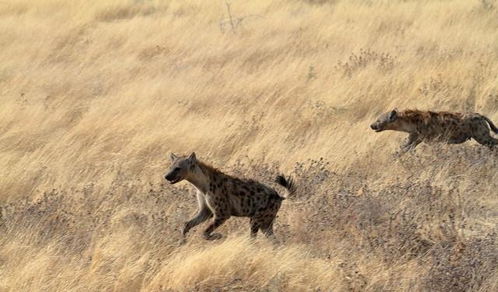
pixel 406 124
pixel 200 177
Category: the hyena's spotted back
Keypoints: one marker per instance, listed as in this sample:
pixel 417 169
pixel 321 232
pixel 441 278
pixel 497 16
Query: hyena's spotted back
pixel 246 197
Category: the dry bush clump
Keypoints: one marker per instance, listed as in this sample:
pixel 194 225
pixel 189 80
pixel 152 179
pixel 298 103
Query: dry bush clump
pixel 382 61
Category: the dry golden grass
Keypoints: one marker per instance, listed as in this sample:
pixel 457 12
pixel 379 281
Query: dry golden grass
pixel 95 94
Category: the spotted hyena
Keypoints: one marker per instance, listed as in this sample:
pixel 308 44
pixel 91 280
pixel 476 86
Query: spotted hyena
pixel 221 196
pixel 452 128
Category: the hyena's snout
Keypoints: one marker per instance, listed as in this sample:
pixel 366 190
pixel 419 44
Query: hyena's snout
pixel 173 177
pixel 375 127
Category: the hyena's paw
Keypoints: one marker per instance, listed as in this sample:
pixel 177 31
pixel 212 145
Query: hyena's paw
pixel 182 241
pixel 184 232
pixel 213 236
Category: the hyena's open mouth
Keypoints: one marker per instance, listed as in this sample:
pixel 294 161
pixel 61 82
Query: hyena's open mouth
pixel 376 129
pixel 174 180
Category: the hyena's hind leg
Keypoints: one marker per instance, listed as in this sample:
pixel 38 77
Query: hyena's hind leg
pixel 483 137
pixel 458 139
pixel 217 222
pixel 486 140
pixel 263 222
pixel 265 219
pixel 267 229
pixel 254 227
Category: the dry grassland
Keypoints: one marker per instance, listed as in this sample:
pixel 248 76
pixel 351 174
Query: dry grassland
pixel 95 94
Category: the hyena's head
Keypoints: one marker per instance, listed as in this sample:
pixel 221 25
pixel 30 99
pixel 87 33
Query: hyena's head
pixel 386 121
pixel 180 167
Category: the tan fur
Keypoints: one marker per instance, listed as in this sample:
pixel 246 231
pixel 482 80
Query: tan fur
pixel 221 196
pixel 452 128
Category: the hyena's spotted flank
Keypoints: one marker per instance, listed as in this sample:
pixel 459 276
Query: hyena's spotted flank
pixel 452 128
pixel 221 196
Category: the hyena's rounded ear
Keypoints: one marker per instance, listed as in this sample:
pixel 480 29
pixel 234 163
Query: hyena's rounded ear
pixel 192 157
pixel 173 157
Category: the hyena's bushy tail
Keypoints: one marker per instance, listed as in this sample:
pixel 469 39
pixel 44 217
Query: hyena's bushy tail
pixel 287 183
pixel 491 125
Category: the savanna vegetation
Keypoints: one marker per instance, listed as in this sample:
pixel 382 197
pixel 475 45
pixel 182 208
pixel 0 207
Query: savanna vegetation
pixel 94 95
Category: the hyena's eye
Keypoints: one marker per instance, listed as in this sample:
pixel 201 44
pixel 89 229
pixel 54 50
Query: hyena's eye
pixel 176 169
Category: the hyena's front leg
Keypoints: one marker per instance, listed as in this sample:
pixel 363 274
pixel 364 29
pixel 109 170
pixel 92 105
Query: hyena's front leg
pixel 203 214
pixel 411 142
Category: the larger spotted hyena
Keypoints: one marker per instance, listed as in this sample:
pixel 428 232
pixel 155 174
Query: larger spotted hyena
pixel 452 128
pixel 221 196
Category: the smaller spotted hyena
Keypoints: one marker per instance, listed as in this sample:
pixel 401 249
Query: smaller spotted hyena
pixel 452 128
pixel 221 196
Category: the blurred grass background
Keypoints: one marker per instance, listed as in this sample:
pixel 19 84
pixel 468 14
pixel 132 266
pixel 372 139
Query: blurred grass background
pixel 95 94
